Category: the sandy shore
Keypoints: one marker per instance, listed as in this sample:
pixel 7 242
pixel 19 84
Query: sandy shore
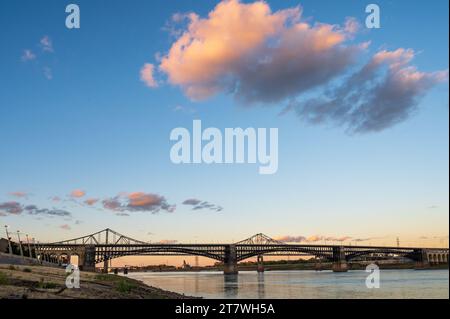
pixel 40 282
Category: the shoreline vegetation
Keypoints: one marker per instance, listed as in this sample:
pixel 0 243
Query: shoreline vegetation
pixel 277 266
pixel 41 282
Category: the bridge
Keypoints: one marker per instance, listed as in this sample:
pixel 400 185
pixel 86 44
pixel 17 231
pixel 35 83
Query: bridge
pixel 108 244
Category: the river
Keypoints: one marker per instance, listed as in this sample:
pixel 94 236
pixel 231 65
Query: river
pixel 302 284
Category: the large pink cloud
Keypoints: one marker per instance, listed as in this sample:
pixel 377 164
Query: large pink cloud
pixel 258 54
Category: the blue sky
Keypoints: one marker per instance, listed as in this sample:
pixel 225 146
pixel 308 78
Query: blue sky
pixel 94 125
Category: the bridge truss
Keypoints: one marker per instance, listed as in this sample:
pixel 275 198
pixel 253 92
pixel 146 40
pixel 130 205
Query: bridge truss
pixel 109 244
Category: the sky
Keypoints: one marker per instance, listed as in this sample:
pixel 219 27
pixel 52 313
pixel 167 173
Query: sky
pixel 362 118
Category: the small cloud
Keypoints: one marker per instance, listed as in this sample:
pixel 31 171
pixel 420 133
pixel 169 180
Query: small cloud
pixel 184 109
pixel 46 44
pixel 34 210
pixel 55 198
pixel 78 222
pixel 12 208
pixel 192 201
pixel 167 242
pixel 47 73
pixel 312 239
pixel 91 201
pixel 291 239
pixel 65 227
pixel 147 75
pixel 77 193
pixel 122 214
pixel 199 204
pixel 28 55
pixel 138 201
pixel 19 194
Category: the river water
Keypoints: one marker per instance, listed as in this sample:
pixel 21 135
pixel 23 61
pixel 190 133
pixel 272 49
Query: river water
pixel 302 284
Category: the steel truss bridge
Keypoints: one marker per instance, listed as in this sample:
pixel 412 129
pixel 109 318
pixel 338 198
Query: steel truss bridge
pixel 108 244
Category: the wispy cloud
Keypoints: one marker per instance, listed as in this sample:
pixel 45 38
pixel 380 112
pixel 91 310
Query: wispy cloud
pixel 147 76
pixel 313 239
pixel 198 204
pixel 28 55
pixel 13 208
pixel 47 73
pixel 91 201
pixel 138 201
pixel 19 194
pixel 167 242
pixel 46 44
pixel 16 208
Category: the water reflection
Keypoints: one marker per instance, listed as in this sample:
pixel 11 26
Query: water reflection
pixel 301 284
pixel 231 286
pixel 261 286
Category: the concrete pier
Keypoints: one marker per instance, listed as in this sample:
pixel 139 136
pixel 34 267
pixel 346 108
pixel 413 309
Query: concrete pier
pixel 230 262
pixel 260 263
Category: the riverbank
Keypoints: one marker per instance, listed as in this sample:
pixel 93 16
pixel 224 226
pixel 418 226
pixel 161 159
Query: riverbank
pixel 41 282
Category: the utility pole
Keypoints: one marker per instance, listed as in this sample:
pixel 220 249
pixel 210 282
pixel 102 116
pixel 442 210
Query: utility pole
pixel 20 243
pixel 9 240
pixel 35 249
pixel 29 247
pixel 398 242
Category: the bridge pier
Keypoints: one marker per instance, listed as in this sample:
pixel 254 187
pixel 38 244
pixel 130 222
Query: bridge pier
pixel 260 263
pixel 105 266
pixel 88 258
pixel 339 260
pixel 230 261
pixel 422 262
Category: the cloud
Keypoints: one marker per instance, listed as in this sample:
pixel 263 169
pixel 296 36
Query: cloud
pixel 263 57
pixel 184 109
pixel 13 208
pixel 192 201
pixel 167 242
pixel 47 73
pixel 199 204
pixel 291 239
pixel 382 93
pixel 254 53
pixel 138 201
pixel 65 227
pixel 91 201
pixel 56 198
pixel 19 194
pixel 312 239
pixel 28 55
pixel 34 210
pixel 46 44
pixel 147 75
pixel 77 193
